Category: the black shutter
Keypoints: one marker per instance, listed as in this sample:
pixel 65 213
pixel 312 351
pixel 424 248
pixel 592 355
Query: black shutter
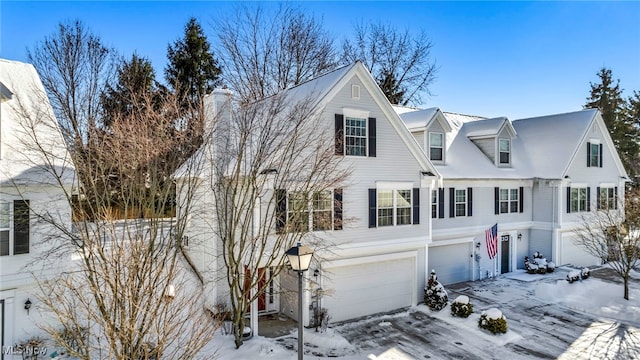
pixel 416 205
pixel 600 146
pixel 21 227
pixel 337 209
pixel 568 199
pixel 521 198
pixel 598 198
pixel 281 210
pixel 441 203
pixel 496 198
pixel 588 199
pixel 588 154
pixel 469 201
pixel 372 137
pixel 339 134
pixel 615 198
pixel 372 208
pixel 452 202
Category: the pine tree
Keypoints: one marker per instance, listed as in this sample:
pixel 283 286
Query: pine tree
pixel 633 111
pixel 192 71
pixel 135 77
pixel 607 97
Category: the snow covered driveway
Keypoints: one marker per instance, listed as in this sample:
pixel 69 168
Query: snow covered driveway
pixel 547 317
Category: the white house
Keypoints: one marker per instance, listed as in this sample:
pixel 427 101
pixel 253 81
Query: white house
pixel 379 261
pixel 31 151
pixel 532 177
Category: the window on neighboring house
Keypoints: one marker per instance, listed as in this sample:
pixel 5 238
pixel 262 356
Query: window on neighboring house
pixel 355 135
pixel 434 204
pixel 594 154
pixel 391 207
pixel 460 202
pixel 607 198
pixel 509 201
pixel 299 212
pixel 578 199
pixel 14 241
pixel 436 146
pixel 504 147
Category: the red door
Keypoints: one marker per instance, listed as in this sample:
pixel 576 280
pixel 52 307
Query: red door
pixel 262 280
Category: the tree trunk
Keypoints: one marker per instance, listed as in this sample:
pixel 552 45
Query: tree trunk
pixel 626 287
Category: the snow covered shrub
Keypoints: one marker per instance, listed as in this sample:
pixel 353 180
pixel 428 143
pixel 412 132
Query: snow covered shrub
pixel 435 296
pixel 493 320
pixel 461 307
pixel 584 274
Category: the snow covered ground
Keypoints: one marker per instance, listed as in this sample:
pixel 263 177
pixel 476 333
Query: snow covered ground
pixel 547 317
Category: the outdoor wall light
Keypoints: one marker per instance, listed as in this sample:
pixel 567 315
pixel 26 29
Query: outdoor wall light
pixel 478 245
pixel 316 273
pixel 519 236
pixel 171 292
pixel 27 305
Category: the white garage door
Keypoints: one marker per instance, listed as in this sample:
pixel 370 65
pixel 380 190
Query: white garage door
pixel 452 263
pixel 576 255
pixel 365 289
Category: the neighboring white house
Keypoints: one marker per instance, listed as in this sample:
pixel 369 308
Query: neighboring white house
pixel 27 187
pixel 533 177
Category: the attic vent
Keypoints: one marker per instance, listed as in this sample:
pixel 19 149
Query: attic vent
pixel 355 91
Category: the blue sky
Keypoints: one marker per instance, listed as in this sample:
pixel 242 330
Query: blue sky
pixel 514 59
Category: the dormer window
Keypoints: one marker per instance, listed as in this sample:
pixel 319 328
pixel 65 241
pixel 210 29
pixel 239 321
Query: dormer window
pixel 436 146
pixel 504 148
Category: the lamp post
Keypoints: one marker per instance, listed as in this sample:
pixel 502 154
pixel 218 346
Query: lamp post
pixel 300 257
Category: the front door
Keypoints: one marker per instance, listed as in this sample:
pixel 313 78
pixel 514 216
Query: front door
pixel 262 298
pixel 504 253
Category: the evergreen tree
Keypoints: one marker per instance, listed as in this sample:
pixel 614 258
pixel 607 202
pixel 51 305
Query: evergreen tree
pixel 135 77
pixel 606 96
pixel 633 111
pixel 192 71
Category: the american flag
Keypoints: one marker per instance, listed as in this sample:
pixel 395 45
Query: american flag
pixel 491 237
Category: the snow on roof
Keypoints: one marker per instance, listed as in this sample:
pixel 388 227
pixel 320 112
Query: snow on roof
pixel 418 118
pixel 484 127
pixel 555 139
pixel 543 146
pixel 318 87
pixel 28 111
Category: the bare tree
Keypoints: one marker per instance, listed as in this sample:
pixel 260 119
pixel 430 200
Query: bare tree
pixel 400 62
pixel 274 176
pixel 613 235
pixel 74 65
pixel 263 52
pixel 123 288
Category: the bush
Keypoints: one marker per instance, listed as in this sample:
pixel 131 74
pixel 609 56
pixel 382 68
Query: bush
pixel 461 307
pixel 435 296
pixel 493 320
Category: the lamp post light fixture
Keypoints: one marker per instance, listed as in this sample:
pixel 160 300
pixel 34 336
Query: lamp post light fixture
pixel 300 258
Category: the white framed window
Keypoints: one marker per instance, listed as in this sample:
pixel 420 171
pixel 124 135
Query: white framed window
pixel 14 227
pixel 578 199
pixel 436 146
pixel 594 155
pixel 607 198
pixel 314 212
pixel 5 228
pixel 509 201
pixel 355 136
pixel 504 151
pixel 461 202
pixel 394 207
pixel 434 204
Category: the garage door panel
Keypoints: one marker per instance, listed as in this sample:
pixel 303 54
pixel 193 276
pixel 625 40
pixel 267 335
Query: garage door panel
pixel 452 263
pixel 369 288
